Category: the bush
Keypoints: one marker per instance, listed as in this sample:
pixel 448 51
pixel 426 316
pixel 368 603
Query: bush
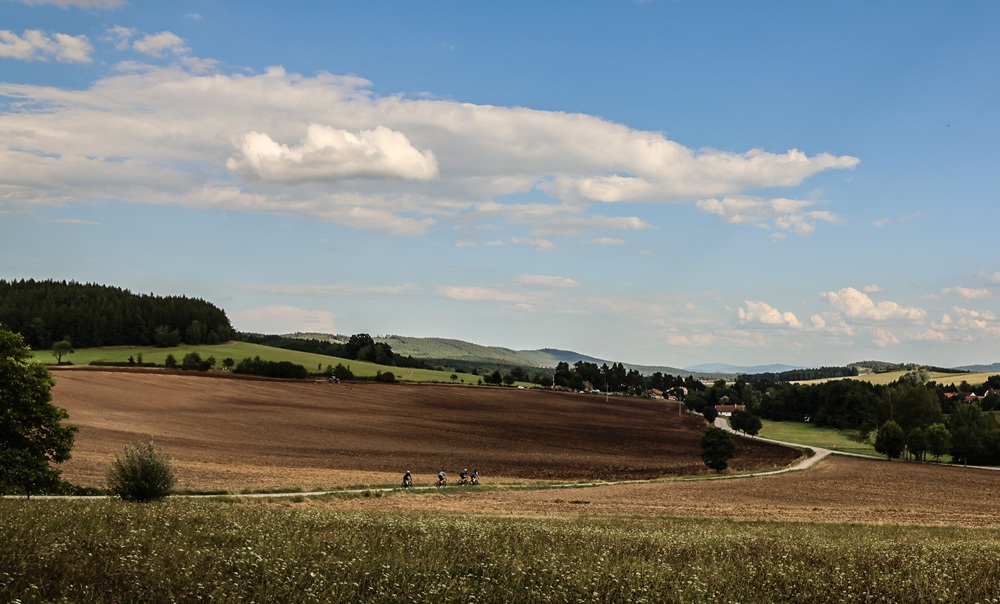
pixel 141 473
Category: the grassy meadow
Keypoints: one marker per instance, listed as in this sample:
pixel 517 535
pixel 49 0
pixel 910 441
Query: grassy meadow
pixel 808 434
pixel 241 350
pixel 105 550
pixel 881 379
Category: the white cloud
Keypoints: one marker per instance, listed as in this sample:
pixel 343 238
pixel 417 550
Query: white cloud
pixel 165 135
pixel 99 4
pixel 883 338
pixel 331 154
pixel 542 245
pixel 884 222
pixel 546 280
pixel 995 279
pixel 931 335
pixel 969 324
pixel 786 215
pixel 690 340
pixel 872 289
pixel 161 44
pixel 283 319
pixel 36 45
pixel 967 292
pixel 858 305
pixel 120 36
pixel 608 241
pixel 486 294
pixel 652 168
pixel 754 312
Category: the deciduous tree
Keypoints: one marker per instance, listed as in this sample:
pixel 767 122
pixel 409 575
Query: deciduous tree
pixel 61 349
pixel 32 436
pixel 717 448
pixel 889 440
pixel 938 440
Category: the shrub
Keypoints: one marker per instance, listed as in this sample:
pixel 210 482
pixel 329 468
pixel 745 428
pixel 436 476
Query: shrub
pixel 141 473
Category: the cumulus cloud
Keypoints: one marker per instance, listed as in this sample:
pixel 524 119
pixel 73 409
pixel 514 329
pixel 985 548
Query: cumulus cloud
pixel 120 36
pixel 36 45
pixel 883 338
pixel 967 292
pixel 872 289
pixel 161 44
pixel 326 147
pixel 857 305
pixel 754 312
pixel 785 215
pixel 328 153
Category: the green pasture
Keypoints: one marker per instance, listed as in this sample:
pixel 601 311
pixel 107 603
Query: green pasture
pixel 241 350
pixel 881 379
pixel 105 550
pixel 814 436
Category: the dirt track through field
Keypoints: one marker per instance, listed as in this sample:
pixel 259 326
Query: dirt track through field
pixel 838 489
pixel 234 434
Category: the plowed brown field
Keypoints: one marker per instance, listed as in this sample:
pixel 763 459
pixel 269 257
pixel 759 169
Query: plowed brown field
pixel 233 434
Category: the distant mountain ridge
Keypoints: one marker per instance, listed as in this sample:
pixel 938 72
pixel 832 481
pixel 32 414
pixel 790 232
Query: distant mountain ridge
pixel 981 368
pixel 443 349
pixel 440 349
pixel 742 369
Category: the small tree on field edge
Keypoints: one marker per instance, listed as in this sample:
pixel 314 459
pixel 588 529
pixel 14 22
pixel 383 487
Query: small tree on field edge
pixel 141 473
pixel 717 448
pixel 61 349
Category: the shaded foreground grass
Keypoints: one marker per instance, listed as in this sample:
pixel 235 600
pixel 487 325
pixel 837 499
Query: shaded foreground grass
pixel 178 551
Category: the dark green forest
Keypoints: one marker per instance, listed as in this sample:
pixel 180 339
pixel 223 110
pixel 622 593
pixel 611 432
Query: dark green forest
pixel 90 315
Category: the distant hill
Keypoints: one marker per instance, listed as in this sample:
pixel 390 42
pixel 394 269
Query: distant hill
pixel 467 353
pixel 993 367
pixel 736 369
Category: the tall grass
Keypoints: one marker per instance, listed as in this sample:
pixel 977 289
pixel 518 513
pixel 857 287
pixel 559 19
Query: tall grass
pixel 188 551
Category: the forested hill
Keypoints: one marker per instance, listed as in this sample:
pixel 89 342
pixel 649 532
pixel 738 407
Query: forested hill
pixel 91 315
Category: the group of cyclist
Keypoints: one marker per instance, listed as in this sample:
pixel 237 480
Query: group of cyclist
pixel 464 478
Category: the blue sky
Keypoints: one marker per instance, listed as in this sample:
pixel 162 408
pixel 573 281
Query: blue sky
pixel 659 182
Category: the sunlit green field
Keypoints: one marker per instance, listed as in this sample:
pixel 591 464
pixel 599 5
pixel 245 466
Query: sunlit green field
pixel 212 551
pixel 240 350
pixel 945 379
pixel 808 434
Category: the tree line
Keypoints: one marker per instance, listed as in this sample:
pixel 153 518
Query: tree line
pixel 359 347
pixel 910 415
pixel 90 315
